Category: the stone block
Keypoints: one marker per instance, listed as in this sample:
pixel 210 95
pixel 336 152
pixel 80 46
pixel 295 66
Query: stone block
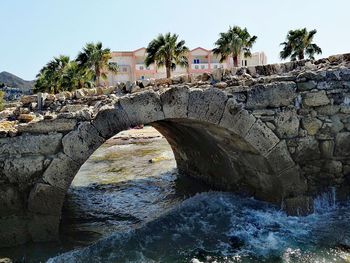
pixel 142 107
pixel 299 206
pixel 261 138
pixel 82 142
pixel 47 126
pixel 110 120
pixel 311 125
pixel 342 144
pixel 271 95
pixel 236 119
pixel 328 109
pixel 31 144
pixel 175 102
pixel 220 85
pixel 308 85
pixel 307 148
pixel 206 105
pixel 26 117
pixel 287 124
pixel 44 228
pixel 327 148
pixel 46 199
pixel 23 170
pixel 11 201
pixel 27 99
pixel 333 167
pixel 292 182
pixel 279 158
pixel 62 169
pixel 13 231
pixel 314 99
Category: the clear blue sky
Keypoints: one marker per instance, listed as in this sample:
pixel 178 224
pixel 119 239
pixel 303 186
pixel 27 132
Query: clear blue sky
pixel 33 31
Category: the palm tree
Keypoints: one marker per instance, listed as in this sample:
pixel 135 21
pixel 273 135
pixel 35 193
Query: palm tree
pixel 233 43
pixel 75 77
pixel 167 51
pixel 298 44
pixel 50 76
pixel 96 58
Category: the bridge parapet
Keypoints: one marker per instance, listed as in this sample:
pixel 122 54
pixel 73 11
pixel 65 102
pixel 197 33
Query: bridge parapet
pixel 280 133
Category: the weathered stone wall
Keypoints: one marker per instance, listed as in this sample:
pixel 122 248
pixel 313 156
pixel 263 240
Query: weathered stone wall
pixel 280 133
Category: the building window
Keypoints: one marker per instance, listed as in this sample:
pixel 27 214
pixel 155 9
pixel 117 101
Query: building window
pixel 141 68
pixel 215 66
pixel 142 77
pixel 245 63
pixel 125 69
pixel 202 67
pixel 196 61
pixel 196 67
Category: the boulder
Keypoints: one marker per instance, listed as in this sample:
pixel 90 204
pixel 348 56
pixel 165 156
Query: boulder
pixel 26 117
pixel 217 75
pixel 221 85
pixel 27 99
pixel 79 93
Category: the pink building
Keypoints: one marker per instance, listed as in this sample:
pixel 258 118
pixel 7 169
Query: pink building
pixel 132 67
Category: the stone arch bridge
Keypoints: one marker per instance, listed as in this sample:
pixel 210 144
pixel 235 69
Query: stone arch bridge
pixel 280 133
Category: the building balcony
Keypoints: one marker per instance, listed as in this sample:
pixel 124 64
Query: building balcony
pixel 143 67
pixel 216 65
pixel 200 66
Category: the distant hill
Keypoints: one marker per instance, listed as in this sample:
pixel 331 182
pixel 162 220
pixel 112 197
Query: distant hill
pixel 13 81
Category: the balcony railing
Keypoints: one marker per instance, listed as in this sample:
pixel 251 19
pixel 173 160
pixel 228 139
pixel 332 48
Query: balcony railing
pixel 200 66
pixel 143 67
pixel 216 65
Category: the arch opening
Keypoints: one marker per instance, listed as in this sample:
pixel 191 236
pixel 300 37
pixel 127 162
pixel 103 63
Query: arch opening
pixel 219 158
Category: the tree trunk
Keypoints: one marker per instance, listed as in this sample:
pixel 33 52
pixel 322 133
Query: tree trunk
pixel 235 61
pixel 301 55
pixel 168 73
pixel 98 73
